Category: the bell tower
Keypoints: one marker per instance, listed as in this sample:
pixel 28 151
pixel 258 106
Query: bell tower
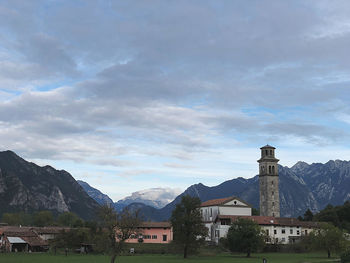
pixel 268 182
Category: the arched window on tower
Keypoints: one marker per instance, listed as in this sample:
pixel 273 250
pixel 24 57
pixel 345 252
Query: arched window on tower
pixel 273 169
pixel 271 152
pixel 269 169
pixel 266 152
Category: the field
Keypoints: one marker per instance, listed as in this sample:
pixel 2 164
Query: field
pixel 222 258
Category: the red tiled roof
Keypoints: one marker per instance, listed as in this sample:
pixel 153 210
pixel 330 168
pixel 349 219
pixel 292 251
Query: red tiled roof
pixel 156 224
pixel 17 231
pixel 35 241
pixel 50 230
pixel 219 201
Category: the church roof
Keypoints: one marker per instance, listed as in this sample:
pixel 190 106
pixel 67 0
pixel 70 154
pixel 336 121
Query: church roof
pixel 267 146
pixel 221 201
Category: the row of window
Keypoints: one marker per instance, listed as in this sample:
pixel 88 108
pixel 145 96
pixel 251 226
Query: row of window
pixel 271 169
pixel 283 231
pixel 147 237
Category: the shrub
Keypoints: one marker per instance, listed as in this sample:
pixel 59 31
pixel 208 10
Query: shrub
pixel 345 257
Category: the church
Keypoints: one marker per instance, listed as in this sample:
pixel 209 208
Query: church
pixel 219 214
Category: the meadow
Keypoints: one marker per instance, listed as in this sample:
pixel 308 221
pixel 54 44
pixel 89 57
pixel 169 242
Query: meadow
pixel 221 258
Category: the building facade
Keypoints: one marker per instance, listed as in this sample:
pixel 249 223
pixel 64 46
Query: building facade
pixel 269 183
pixel 223 206
pixel 152 232
pixel 278 230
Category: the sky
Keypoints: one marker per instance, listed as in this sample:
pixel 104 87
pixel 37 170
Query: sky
pixel 130 95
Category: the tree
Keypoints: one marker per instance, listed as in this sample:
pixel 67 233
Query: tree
pixel 43 218
pixel 328 214
pixel 329 238
pixel 255 212
pixel 188 228
pixel 16 219
pixel 67 219
pixel 245 235
pixel 119 227
pixel 308 215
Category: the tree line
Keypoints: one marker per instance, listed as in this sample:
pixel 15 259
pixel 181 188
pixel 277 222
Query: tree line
pixel 338 216
pixel 44 218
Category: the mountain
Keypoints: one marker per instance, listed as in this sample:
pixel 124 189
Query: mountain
pixel 301 187
pixel 154 197
pixel 95 194
pixel 27 187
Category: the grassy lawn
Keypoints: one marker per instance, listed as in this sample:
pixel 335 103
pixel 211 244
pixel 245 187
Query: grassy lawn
pixel 222 258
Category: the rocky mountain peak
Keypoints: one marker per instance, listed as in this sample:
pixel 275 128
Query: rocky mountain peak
pixel 25 186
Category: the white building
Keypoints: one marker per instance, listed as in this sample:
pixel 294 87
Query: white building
pixel 219 214
pixel 224 206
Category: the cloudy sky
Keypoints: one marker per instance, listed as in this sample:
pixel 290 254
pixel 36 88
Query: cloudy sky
pixel 129 95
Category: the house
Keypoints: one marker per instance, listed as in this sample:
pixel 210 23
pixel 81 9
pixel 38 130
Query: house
pixel 16 239
pixel 48 233
pixel 278 230
pixel 153 232
pixel 231 206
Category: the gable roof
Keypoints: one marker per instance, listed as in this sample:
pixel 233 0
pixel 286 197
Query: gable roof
pixel 156 224
pixel 222 201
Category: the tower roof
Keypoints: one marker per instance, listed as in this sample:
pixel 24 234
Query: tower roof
pixel 267 147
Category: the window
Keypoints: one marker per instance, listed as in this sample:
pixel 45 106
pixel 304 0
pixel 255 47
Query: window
pixel 283 231
pixel 147 237
pixel 267 232
pixel 154 237
pixel 165 237
pixel 305 232
pixel 270 152
pixel 269 169
pixel 273 203
pixel 273 169
pixel 266 152
pixel 211 212
pixel 275 232
pixel 283 239
pixel 217 233
pixel 271 182
pixel 291 231
pixel 298 232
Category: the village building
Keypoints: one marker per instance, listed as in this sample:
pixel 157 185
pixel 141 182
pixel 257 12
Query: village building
pixel 219 214
pixel 278 230
pixel 27 239
pixel 21 239
pixel 224 206
pixel 152 232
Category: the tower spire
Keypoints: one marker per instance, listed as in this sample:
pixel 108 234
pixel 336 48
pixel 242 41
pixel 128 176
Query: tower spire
pixel 268 182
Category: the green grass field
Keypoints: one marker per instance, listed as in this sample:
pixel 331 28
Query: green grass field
pixel 221 258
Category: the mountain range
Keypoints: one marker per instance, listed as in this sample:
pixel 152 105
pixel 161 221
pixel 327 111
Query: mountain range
pixel 27 187
pixel 303 186
pixel 153 197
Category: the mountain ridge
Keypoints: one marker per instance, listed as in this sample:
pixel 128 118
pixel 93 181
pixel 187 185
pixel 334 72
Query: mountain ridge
pixel 27 187
pixel 298 191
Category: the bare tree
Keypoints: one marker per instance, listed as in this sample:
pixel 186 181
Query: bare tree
pixel 119 227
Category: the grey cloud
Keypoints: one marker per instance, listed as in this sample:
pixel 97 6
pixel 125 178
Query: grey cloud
pixel 175 74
